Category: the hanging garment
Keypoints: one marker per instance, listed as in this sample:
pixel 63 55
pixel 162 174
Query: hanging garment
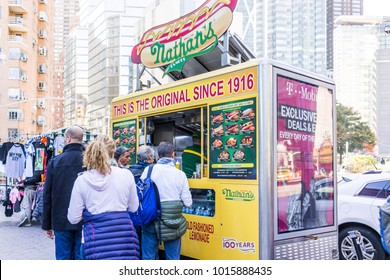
pixel 38 205
pixel 14 195
pixel 40 158
pixel 4 151
pixel 9 210
pixel 59 143
pixel 30 153
pixel 14 166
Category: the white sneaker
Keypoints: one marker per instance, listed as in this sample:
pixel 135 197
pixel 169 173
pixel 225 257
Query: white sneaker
pixel 23 221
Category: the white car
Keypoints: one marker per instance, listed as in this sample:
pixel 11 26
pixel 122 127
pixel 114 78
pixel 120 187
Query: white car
pixel 359 199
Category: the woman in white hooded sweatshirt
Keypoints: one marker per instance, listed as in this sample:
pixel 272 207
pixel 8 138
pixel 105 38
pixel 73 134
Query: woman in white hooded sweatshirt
pixel 102 197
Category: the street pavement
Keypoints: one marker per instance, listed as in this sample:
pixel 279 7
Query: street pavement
pixel 23 243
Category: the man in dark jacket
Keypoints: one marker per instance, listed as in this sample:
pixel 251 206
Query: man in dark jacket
pixel 61 173
pixel 145 157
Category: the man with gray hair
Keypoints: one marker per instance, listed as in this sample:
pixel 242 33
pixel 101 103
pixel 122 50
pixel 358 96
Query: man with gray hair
pixel 60 176
pixel 145 157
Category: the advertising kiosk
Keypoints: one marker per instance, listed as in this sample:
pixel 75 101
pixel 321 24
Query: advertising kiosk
pixel 265 187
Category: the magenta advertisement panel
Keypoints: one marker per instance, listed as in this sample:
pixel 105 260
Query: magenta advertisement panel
pixel 305 198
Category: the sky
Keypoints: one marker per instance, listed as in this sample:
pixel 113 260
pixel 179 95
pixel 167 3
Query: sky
pixel 376 8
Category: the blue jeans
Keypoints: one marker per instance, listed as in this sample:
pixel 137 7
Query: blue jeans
pixel 150 245
pixel 67 244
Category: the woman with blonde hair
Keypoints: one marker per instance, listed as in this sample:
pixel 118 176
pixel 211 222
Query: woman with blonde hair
pixel 102 196
pixel 110 145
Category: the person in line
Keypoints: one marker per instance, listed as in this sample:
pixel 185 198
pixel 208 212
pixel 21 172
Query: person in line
pixel 174 191
pixel 61 173
pixel 102 197
pixel 110 146
pixel 122 157
pixel 191 156
pixel 145 157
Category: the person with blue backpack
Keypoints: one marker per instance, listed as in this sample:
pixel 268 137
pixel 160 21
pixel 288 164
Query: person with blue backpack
pixel 145 157
pixel 174 192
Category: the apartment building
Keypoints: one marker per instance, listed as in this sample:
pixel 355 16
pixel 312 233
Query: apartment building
pixel 65 20
pixel 361 64
pixel 26 68
pixel 334 9
pixel 111 36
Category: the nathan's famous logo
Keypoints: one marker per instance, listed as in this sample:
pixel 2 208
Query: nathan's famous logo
pixel 177 41
pixel 243 246
pixel 238 195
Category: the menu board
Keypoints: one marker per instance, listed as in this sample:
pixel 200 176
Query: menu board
pixel 125 134
pixel 233 139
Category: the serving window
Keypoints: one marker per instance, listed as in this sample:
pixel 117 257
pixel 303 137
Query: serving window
pixel 185 129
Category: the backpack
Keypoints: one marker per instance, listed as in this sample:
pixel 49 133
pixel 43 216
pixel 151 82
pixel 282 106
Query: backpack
pixel 9 207
pixel 384 224
pixel 149 208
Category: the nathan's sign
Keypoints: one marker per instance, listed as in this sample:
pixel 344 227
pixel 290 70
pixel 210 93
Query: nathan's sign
pixel 177 41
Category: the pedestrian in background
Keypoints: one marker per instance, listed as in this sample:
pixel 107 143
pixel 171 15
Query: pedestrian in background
pixel 102 197
pixel 122 157
pixel 61 173
pixel 174 191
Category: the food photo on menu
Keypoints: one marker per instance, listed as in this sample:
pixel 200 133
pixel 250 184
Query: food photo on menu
pixel 232 139
pixel 124 134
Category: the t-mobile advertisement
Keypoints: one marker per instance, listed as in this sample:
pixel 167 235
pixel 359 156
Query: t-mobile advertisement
pixel 305 197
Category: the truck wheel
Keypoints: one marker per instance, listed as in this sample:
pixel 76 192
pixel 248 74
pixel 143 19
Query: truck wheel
pixel 372 247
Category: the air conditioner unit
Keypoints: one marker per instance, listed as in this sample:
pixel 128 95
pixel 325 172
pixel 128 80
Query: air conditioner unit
pixel 34 42
pixel 35 10
pixel 40 123
pixel 42 16
pixel 23 78
pixel 23 58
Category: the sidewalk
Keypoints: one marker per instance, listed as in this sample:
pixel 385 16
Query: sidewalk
pixel 23 243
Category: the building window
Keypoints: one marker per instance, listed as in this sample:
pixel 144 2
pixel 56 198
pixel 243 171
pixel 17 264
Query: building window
pixel 15 114
pixel 14 73
pixel 41 85
pixel 16 94
pixel 13 133
pixel 43 51
pixel 14 53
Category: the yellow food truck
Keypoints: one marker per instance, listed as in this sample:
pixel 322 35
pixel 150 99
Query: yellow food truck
pixel 265 187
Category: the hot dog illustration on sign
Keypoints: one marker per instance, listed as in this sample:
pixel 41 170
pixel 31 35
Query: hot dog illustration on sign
pixel 194 34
